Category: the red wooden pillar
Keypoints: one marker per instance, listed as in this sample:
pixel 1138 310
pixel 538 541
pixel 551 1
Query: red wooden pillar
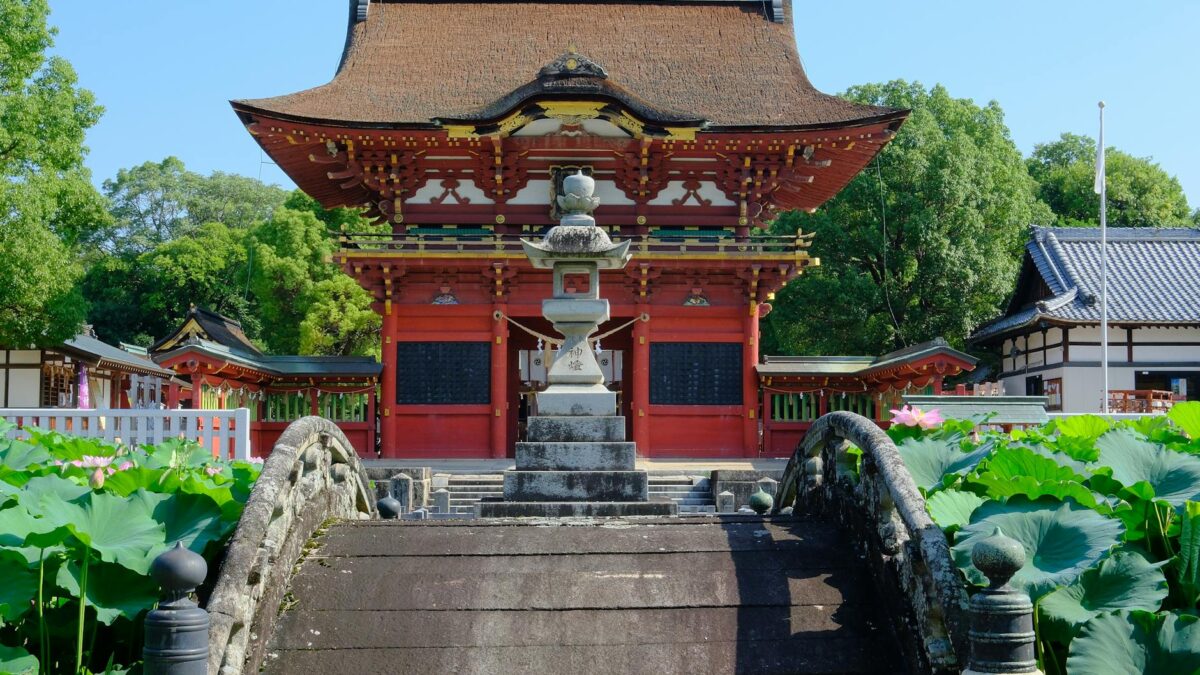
pixel 172 396
pixel 369 451
pixel 639 403
pixel 765 411
pixel 750 383
pixel 387 394
pixel 499 394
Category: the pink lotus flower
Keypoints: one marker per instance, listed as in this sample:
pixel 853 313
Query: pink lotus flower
pixel 212 470
pixel 97 479
pixel 93 462
pixel 912 416
pixel 125 466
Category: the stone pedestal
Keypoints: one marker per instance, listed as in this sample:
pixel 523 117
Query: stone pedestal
pixel 576 461
pixel 575 466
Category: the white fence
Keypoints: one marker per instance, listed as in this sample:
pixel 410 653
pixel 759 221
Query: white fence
pixel 225 432
pixel 1116 417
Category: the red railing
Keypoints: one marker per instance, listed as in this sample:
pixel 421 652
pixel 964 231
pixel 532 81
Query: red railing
pixel 1141 400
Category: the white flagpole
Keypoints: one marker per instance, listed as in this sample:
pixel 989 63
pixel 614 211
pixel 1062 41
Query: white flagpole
pixel 1102 188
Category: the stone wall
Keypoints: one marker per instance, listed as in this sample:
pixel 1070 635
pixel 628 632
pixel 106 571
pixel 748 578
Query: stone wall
pixel 882 509
pixel 312 475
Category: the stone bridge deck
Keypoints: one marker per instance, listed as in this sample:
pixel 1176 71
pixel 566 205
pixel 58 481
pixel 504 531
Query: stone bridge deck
pixel 729 595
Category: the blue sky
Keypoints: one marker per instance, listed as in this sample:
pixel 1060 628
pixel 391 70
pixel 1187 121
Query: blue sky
pixel 165 70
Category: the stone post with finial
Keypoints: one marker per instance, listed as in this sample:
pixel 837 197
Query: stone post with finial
pixel 1002 636
pixel 176 634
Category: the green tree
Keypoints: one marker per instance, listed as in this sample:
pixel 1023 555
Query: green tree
pixel 924 243
pixel 47 202
pixel 290 258
pixel 339 320
pixel 335 220
pixel 139 299
pixel 207 268
pixel 157 202
pixel 1140 193
pixel 309 304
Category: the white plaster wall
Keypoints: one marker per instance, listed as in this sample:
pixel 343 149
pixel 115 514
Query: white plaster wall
pixel 675 190
pixel 24 389
pixel 536 191
pixel 610 194
pixel 433 188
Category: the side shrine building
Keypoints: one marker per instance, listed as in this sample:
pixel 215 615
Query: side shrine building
pixel 1049 336
pixel 454 123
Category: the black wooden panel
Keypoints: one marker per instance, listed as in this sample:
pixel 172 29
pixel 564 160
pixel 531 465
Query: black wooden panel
pixel 696 373
pixel 453 373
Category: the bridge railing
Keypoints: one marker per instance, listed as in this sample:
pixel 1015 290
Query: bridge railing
pixel 312 474
pixel 884 511
pixel 225 432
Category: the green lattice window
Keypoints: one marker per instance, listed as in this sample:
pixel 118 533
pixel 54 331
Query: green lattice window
pixel 343 407
pixel 795 407
pixel 286 406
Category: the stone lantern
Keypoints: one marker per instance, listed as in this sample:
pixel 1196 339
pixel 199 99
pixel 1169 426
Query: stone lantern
pixel 576 249
pixel 576 461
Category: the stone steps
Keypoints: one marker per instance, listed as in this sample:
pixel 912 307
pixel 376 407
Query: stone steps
pixel 670 596
pixel 690 493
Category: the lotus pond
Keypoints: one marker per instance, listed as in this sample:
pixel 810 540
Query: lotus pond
pixel 80 522
pixel 1109 516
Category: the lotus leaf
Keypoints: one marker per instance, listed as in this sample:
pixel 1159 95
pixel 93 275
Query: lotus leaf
pixel 1023 462
pixel 112 590
pixel 19 455
pixel 930 460
pixel 1173 476
pixel 194 520
pixel 1061 540
pixel 126 482
pixel 998 488
pixel 1132 642
pixel 1088 427
pixel 18 589
pixel 7 492
pixel 18 661
pixel 43 489
pixel 952 508
pixel 1124 581
pixel 119 530
pixel 1186 565
pixel 1079 466
pixel 1186 416
pixel 26 536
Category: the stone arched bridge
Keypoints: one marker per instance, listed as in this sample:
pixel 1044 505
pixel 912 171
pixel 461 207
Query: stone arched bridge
pixel 859 580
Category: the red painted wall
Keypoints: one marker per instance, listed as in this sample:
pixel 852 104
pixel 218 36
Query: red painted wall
pixel 482 431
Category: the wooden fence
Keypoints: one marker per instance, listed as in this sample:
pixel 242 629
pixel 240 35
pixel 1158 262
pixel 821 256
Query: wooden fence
pixel 225 432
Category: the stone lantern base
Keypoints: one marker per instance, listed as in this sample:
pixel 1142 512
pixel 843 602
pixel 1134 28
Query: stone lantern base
pixel 575 465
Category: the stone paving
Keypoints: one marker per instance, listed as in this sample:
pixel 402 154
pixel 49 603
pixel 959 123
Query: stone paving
pixel 726 595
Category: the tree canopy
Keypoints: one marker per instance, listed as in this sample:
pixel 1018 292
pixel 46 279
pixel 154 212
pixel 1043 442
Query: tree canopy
pixel 231 244
pixel 156 202
pixel 47 201
pixel 924 243
pixel 1140 193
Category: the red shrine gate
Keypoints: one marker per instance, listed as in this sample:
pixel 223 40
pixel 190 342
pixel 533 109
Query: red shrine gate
pixel 454 122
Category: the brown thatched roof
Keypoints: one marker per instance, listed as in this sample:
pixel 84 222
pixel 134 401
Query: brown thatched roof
pixel 726 62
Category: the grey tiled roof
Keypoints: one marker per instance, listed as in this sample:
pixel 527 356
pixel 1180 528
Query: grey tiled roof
pixel 113 357
pixel 855 365
pixel 1153 278
pixel 284 366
